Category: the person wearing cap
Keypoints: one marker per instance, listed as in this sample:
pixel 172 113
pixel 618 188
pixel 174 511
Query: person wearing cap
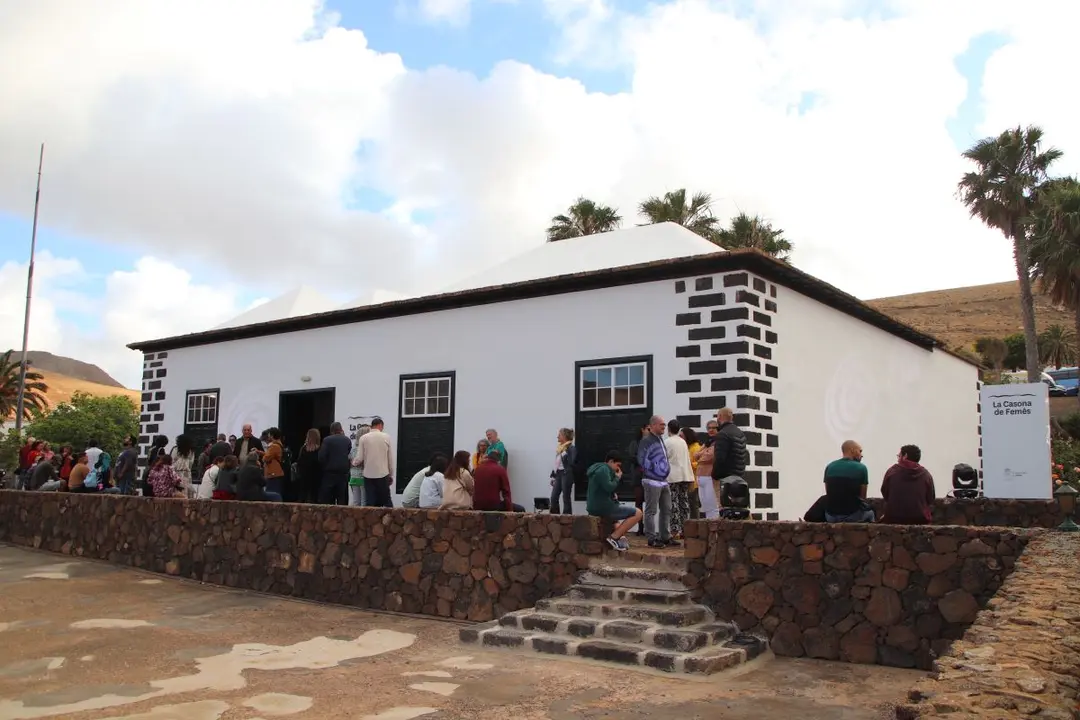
pixel 375 454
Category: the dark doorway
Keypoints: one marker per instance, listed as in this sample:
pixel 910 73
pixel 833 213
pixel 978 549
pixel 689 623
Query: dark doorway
pixel 425 421
pixel 301 410
pixel 612 400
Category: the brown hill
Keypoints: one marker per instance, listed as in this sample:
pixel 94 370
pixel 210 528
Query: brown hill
pixel 962 315
pixel 62 387
pixel 69 367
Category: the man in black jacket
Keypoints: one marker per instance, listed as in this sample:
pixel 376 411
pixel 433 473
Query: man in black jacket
pixel 730 451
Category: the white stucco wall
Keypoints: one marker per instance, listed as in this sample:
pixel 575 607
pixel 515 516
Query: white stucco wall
pixel 843 379
pixel 514 363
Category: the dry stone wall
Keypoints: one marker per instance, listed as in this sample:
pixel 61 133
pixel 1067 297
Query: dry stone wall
pixel 990 512
pixel 465 565
pixel 886 594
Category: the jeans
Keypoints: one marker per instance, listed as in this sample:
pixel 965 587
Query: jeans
pixel 562 485
pixel 126 485
pixel 356 495
pixel 866 515
pixel 276 485
pixel 334 489
pixel 272 496
pixel 657 512
pixel 377 492
pixel 52 485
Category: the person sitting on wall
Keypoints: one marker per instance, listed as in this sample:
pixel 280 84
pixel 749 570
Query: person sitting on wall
pixel 846 481
pixel 410 497
pixel 251 483
pixel 225 480
pixel 908 490
pixel 492 486
pixel 458 486
pixel 431 489
pixel 165 481
pixel 601 500
pixel 77 478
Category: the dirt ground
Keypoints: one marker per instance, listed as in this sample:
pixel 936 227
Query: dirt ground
pixel 85 640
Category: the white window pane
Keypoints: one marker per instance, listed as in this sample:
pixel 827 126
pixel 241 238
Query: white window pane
pixel 590 378
pixel 433 388
pixel 588 399
pixel 444 405
pixel 622 397
pixel 622 376
pixel 410 390
pixel 408 406
pixel 637 395
pixel 432 406
pixel 603 397
pixel 637 374
pixel 444 388
pixel 603 377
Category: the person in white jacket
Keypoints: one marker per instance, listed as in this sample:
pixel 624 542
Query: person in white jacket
pixel 206 488
pixel 679 479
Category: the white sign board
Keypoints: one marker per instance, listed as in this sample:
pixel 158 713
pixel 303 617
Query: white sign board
pixel 1016 441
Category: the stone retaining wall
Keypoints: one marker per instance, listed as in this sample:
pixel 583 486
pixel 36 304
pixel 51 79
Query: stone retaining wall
pixel 888 594
pixel 465 565
pixel 988 512
pixel 1021 656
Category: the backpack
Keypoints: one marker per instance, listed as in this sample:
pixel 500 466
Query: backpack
pixel 99 474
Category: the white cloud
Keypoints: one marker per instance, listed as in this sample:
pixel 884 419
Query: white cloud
pixel 227 133
pixel 71 315
pixel 454 12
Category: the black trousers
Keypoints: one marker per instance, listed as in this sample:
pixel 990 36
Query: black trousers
pixel 334 488
pixel 377 492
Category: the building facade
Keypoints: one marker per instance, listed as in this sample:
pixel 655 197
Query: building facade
pixel 803 365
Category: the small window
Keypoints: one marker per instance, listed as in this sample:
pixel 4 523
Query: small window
pixel 202 408
pixel 425 397
pixel 606 387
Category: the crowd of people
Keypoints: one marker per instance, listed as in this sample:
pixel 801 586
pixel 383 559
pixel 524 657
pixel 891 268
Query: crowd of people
pixel 675 473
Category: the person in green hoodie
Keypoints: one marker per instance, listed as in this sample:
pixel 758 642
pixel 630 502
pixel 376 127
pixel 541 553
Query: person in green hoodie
pixel 601 500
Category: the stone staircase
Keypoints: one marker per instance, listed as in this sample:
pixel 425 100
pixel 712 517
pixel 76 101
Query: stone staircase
pixel 631 609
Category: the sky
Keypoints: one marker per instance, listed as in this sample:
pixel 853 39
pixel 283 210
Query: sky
pixel 204 156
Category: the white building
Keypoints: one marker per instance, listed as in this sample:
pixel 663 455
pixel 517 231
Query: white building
pixel 595 333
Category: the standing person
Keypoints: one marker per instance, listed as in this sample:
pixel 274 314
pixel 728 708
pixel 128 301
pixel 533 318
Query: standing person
pixel 245 444
pixel 356 473
pixel 273 459
pixel 562 476
pixel 908 490
pixel 183 460
pixel 67 462
pixel 46 451
pixel 729 451
pixel 601 500
pixel 494 443
pixel 127 466
pixel 704 457
pixel 22 475
pixel 334 461
pixel 694 446
pixel 491 490
pixel 654 474
pixel 458 485
pixel 220 448
pixel 376 455
pixel 307 463
pixel 846 481
pixel 680 477
pixel 481 453
pixel 631 465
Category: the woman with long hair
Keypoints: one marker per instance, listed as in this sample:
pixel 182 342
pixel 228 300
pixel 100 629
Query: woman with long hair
pixel 562 476
pixel 458 484
pixel 165 480
pixel 705 459
pixel 183 459
pixel 307 464
pixel 482 446
pixel 66 463
pixel 157 448
pixel 693 445
pixel 273 471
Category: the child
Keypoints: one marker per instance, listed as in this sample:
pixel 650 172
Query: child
pixel 601 501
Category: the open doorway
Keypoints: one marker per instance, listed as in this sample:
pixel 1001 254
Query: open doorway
pixel 301 410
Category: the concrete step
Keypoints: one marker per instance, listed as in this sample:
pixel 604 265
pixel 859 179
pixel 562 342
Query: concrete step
pixel 687 639
pixel 644 558
pixel 632 576
pixel 702 661
pixel 671 616
pixel 628 595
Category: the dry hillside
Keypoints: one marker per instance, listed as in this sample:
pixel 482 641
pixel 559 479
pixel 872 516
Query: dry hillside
pixel 962 315
pixel 62 387
pixel 70 367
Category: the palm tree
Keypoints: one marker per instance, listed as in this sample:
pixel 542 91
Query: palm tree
pixel 992 351
pixel 584 217
pixel 1001 192
pixel 755 232
pixel 1057 346
pixel 34 396
pixel 695 215
pixel 1055 255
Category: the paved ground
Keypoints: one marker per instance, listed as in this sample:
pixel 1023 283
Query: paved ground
pixel 88 641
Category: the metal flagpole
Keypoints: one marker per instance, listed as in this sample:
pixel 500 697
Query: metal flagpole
pixel 29 291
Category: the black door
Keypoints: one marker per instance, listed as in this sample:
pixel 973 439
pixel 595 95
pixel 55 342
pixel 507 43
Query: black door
pixel 301 410
pixel 201 417
pixel 613 399
pixel 425 421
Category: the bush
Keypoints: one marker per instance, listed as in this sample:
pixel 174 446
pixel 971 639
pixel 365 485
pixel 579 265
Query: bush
pixel 1071 424
pixel 104 419
pixel 1065 457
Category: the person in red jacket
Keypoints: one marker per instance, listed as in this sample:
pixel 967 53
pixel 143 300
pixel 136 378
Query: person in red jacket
pixel 492 485
pixel 908 490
